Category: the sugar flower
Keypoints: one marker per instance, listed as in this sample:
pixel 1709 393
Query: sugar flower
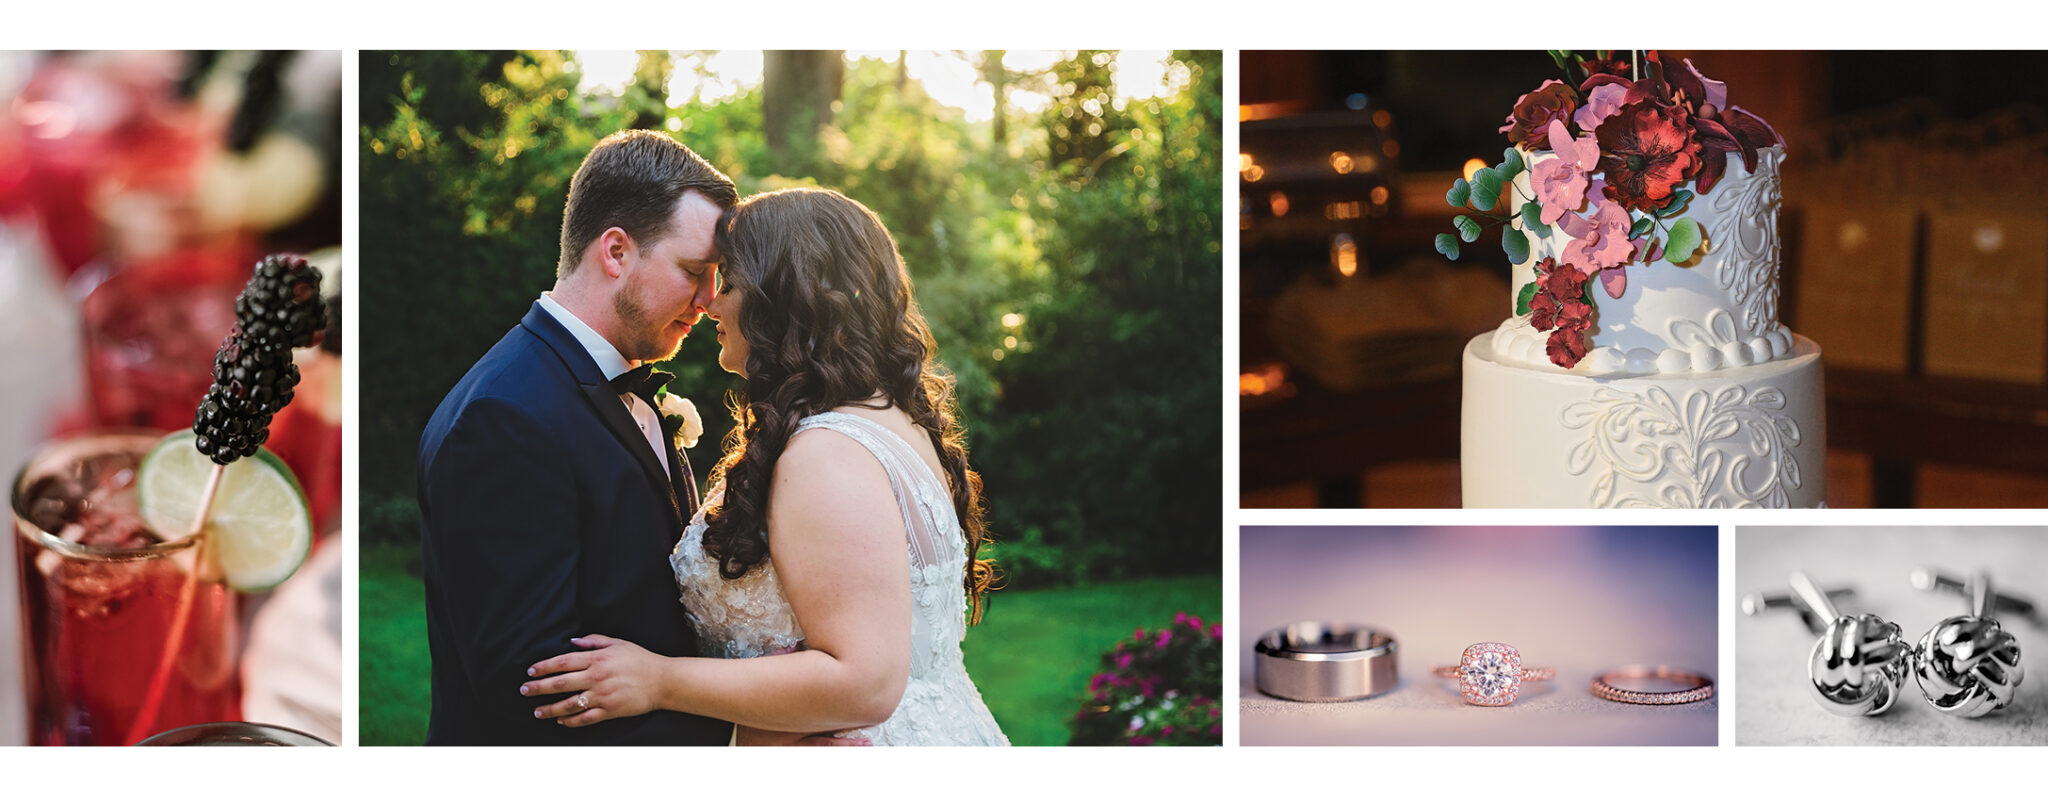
pixel 1552 100
pixel 1560 181
pixel 1602 102
pixel 1601 243
pixel 1567 346
pixel 1645 154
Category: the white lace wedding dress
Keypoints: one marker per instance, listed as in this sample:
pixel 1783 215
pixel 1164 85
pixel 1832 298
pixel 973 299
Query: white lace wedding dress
pixel 748 617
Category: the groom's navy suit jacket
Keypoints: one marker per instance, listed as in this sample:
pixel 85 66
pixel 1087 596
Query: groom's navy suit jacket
pixel 545 515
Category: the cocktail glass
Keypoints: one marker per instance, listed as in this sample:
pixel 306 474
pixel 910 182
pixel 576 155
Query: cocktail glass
pixel 150 335
pixel 233 733
pixel 99 600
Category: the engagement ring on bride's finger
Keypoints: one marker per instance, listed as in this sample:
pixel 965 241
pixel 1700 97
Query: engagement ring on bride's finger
pixel 1491 673
pixel 583 701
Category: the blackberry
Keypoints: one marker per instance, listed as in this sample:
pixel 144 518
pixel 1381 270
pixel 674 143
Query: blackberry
pixel 253 373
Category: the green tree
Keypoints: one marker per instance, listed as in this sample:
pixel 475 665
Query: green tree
pixel 1106 461
pixel 1070 270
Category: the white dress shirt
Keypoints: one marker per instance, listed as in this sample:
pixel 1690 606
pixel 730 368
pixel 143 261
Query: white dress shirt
pixel 612 364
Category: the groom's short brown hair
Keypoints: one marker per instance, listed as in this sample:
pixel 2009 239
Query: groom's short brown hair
pixel 632 180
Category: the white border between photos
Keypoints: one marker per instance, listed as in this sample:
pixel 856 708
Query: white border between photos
pixel 1231 27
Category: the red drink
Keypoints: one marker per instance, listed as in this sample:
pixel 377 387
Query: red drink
pixel 99 594
pixel 150 335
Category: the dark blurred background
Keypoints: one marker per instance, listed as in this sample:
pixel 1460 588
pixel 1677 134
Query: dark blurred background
pixel 1913 254
pixel 1063 238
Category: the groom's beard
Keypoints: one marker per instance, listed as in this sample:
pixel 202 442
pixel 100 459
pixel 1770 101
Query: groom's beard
pixel 640 334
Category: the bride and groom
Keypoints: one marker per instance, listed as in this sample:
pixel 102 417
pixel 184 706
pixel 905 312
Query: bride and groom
pixel 828 575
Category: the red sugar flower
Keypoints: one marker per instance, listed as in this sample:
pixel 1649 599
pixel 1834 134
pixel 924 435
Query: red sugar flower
pixel 1560 307
pixel 1553 100
pixel 1645 153
pixel 1567 345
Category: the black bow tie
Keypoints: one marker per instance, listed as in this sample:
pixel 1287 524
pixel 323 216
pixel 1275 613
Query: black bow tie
pixel 642 381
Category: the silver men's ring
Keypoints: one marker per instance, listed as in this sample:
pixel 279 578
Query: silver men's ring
pixel 1324 662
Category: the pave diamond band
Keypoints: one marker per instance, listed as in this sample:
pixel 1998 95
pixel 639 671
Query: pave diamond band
pixel 1700 686
pixel 1491 674
pixel 1324 662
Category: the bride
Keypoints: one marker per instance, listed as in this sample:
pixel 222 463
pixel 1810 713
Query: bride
pixel 833 568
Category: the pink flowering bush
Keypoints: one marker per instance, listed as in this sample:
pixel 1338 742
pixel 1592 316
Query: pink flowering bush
pixel 1158 688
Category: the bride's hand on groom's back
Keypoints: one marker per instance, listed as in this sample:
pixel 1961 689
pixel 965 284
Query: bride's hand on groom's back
pixel 611 679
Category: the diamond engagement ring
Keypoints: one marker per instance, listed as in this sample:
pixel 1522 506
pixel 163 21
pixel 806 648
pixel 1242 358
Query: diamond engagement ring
pixel 1491 673
pixel 583 701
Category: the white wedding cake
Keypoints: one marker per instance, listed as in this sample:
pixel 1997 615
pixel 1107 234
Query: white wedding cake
pixel 1644 364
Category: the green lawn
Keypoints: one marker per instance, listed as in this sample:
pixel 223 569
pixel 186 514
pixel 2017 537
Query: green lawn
pixel 392 652
pixel 1030 657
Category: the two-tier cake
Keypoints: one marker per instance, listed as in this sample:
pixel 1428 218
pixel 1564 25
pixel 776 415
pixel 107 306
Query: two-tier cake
pixel 1644 364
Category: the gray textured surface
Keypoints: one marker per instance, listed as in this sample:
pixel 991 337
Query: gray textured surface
pixel 1582 600
pixel 1772 706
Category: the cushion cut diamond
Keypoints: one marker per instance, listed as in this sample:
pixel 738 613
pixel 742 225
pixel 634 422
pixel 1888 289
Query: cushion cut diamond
pixel 1490 673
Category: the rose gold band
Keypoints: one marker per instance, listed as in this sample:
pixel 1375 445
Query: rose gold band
pixel 1702 686
pixel 1528 673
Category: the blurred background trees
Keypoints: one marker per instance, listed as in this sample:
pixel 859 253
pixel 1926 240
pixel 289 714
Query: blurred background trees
pixel 1071 270
pixel 1065 245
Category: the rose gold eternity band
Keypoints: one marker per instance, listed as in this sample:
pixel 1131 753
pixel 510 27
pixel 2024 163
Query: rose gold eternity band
pixel 1701 686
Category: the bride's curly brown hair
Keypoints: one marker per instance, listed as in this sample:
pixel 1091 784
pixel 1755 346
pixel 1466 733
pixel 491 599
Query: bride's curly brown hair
pixel 829 321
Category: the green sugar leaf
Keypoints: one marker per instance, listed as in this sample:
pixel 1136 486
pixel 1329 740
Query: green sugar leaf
pixel 1515 244
pixel 1485 189
pixel 1468 230
pixel 1683 241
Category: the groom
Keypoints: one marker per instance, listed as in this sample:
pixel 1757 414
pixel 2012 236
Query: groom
pixel 550 495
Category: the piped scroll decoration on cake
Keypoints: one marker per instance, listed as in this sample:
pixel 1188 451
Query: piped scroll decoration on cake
pixel 1748 238
pixel 1725 448
pixel 1612 163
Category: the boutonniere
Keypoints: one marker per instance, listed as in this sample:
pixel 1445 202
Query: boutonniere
pixel 679 417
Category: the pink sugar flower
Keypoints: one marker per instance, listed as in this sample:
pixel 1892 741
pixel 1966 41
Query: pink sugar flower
pixel 1561 181
pixel 1602 103
pixel 1713 93
pixel 1599 244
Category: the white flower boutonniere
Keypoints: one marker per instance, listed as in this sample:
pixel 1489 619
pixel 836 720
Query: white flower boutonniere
pixel 680 416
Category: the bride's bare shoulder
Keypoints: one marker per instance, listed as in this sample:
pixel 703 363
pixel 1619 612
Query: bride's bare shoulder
pixel 827 481
pixel 815 460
